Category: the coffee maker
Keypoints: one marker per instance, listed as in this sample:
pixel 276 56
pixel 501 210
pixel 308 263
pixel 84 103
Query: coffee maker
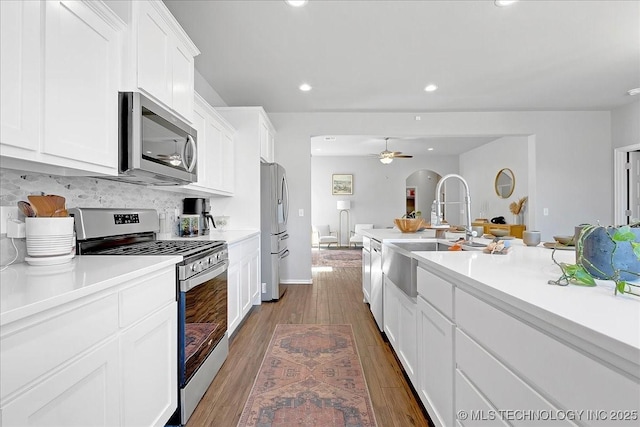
pixel 202 207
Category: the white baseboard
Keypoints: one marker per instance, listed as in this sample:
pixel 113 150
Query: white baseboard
pixel 297 282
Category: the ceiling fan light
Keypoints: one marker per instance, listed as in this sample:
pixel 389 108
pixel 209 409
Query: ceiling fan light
pixel 175 161
pixel 430 88
pixel 386 160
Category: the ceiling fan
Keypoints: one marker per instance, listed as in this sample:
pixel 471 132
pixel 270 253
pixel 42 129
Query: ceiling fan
pixel 387 156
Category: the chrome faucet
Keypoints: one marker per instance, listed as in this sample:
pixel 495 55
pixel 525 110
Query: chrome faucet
pixel 468 235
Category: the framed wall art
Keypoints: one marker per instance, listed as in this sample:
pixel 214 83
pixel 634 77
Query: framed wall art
pixel 341 184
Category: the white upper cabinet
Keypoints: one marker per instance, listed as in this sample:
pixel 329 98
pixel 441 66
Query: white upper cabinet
pixel 61 64
pixel 267 140
pixel 161 60
pixel 215 151
pixel 20 75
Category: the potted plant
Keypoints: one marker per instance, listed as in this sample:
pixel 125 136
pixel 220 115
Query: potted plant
pixel 606 253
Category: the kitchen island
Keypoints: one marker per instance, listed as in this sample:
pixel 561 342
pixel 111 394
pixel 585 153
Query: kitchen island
pixel 487 333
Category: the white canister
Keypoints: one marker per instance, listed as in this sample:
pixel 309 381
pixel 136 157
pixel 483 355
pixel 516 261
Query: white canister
pixel 49 236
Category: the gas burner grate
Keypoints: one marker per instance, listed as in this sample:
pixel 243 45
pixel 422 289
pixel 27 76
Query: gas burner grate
pixel 161 247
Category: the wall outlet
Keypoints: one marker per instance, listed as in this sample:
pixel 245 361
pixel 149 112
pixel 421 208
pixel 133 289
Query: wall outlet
pixel 545 211
pixel 6 213
pixel 300 212
pixel 264 288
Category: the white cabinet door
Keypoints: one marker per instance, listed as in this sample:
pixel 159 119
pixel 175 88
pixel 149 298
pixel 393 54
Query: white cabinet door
pixel 245 287
pixel 435 366
pixel 20 74
pixel 164 57
pixel 390 309
pixel 154 73
pixel 234 315
pixel 407 334
pixel 149 369
pixel 267 140
pixel 254 262
pixel 85 393
pixel 81 76
pixel 183 75
pixel 228 162
pixel 214 158
pixel 366 275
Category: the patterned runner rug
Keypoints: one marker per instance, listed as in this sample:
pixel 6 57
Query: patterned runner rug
pixel 310 376
pixel 336 257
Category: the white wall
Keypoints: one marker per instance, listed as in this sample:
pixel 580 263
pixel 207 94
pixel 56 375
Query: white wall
pixel 480 167
pixel 573 176
pixel 379 190
pixel 625 125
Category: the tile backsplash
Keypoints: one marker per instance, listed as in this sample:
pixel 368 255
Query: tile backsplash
pixel 85 192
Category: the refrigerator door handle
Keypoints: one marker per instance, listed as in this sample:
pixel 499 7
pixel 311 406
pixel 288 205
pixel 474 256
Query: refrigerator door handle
pixel 284 254
pixel 285 196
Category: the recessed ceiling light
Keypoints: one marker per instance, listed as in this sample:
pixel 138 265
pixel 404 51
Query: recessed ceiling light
pixel 635 91
pixel 430 149
pixel 430 88
pixel 296 3
pixel 305 87
pixel 505 3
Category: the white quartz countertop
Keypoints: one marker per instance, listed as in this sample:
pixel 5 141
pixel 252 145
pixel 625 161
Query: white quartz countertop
pixel 26 289
pixel 229 236
pixel 520 278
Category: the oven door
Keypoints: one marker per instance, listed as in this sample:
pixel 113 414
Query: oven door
pixel 202 334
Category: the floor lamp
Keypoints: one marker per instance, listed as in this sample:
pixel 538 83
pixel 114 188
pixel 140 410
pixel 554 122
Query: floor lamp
pixel 343 207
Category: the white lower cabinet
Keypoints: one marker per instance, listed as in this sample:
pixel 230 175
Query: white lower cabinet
pixel 243 280
pixel 435 363
pixel 149 353
pixel 400 325
pixel 111 359
pixel 481 364
pixel 83 393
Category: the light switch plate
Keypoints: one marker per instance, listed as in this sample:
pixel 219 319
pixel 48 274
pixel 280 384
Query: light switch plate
pixel 300 212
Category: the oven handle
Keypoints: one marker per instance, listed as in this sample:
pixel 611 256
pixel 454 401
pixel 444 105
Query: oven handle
pixel 192 282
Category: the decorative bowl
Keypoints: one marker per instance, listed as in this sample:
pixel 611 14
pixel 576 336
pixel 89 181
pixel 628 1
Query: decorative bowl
pixel 408 225
pixel 565 240
pixel 499 232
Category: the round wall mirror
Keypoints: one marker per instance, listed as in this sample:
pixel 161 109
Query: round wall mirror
pixel 505 183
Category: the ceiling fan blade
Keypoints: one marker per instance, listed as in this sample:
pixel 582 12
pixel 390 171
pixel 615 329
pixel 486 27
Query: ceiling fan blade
pixel 403 156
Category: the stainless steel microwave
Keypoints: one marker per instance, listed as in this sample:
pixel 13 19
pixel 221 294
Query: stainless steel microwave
pixel 155 146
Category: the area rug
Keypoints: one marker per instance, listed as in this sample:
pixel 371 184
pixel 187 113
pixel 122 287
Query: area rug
pixel 310 376
pixel 328 257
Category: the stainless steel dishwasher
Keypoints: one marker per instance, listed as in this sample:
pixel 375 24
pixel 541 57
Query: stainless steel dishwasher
pixel 375 302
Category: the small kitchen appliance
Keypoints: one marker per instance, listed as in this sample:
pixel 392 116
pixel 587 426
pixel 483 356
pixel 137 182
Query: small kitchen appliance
pixel 203 343
pixel 201 207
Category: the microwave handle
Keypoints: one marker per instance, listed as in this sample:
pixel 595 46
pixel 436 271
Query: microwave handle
pixel 192 142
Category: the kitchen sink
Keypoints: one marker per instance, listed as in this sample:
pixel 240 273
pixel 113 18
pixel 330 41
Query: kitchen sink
pixel 400 267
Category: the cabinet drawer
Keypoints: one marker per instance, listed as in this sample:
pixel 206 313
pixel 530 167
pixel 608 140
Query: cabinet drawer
pixel 62 335
pixel 438 292
pixel 146 296
pixel 566 376
pixel 472 409
pixel 496 382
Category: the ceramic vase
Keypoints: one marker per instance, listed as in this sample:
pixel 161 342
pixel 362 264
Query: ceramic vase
pixel 597 249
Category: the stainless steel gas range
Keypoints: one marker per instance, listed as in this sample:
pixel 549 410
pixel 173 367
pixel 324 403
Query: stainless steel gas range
pixel 201 292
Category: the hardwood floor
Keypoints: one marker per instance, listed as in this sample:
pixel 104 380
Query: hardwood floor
pixel 334 297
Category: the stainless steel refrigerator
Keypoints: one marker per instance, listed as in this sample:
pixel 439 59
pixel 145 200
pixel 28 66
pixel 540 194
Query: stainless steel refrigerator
pixel 274 210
